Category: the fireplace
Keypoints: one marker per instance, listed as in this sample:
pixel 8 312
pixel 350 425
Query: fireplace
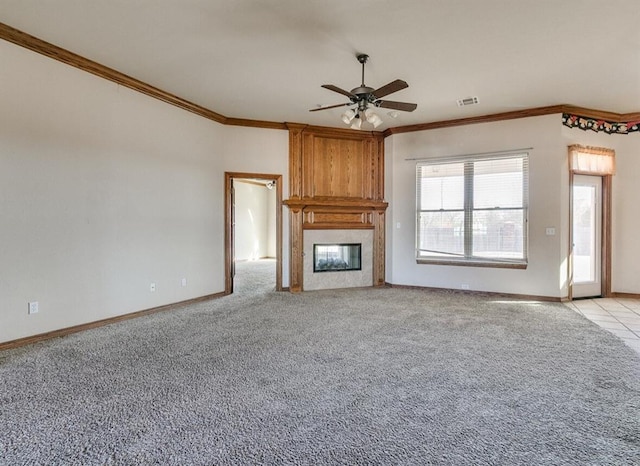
pixel 350 246
pixel 339 257
pixel 336 189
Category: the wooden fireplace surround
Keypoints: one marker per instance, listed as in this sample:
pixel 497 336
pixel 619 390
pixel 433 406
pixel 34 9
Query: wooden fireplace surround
pixel 336 182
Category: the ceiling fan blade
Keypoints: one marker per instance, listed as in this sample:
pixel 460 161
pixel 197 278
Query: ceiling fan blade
pixel 333 88
pixel 390 88
pixel 330 106
pixel 403 106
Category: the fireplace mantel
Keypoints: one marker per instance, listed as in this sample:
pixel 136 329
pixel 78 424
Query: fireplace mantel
pixel 336 182
pixel 346 203
pixel 336 213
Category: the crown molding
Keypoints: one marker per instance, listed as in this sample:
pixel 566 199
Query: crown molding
pixel 525 113
pixel 476 119
pixel 47 49
pixel 254 123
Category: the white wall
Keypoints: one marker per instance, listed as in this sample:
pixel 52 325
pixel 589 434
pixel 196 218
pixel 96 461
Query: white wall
pixel 254 220
pixel 548 198
pixel 549 205
pixel 272 205
pixel 625 267
pixel 261 151
pixel 104 190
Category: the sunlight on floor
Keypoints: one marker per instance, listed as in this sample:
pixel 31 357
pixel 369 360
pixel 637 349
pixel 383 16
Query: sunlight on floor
pixel 517 301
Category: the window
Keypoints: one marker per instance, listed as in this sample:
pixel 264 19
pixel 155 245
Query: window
pixel 473 210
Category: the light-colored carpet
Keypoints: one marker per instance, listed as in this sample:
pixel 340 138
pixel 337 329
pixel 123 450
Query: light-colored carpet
pixel 365 376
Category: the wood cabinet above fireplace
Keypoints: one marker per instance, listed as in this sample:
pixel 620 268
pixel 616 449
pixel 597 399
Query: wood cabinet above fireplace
pixel 336 181
pixel 334 164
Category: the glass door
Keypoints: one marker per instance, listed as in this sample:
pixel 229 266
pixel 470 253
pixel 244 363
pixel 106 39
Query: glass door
pixel 587 236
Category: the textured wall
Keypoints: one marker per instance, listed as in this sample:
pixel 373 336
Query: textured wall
pixel 104 190
pixel 255 220
pixel 548 198
pixel 625 267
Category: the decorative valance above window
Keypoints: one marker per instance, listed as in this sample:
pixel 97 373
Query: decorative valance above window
pixel 609 127
pixel 589 160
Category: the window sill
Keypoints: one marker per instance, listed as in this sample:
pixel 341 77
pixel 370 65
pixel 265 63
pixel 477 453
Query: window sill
pixel 474 263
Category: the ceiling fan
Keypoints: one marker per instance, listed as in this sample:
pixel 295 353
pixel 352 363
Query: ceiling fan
pixel 364 97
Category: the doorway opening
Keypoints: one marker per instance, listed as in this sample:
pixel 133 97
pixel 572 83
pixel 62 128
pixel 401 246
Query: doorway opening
pixel 590 236
pixel 253 228
pixel 587 236
pixel 591 171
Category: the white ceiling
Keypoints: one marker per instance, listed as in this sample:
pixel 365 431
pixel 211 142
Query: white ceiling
pixel 266 59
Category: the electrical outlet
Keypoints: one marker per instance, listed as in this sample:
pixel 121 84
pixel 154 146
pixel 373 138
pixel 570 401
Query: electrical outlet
pixel 183 282
pixel 464 286
pixel 152 287
pixel 33 307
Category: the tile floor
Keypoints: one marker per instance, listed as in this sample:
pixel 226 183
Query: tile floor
pixel 620 316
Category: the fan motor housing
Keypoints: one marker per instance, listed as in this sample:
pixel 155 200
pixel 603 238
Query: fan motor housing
pixel 363 90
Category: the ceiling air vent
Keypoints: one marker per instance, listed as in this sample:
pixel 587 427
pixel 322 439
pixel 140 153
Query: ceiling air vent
pixel 467 101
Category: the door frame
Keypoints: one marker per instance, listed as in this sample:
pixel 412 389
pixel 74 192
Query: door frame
pixel 605 247
pixel 229 227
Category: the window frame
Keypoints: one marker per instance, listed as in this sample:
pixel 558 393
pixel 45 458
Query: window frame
pixel 468 258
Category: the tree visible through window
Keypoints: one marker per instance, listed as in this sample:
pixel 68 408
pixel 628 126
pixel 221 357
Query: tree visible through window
pixel 473 210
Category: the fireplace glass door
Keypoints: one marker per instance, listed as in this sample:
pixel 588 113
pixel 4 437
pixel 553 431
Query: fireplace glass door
pixel 337 257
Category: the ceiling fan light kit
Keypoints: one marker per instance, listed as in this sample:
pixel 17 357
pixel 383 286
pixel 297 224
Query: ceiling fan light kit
pixel 363 98
pixel 373 118
pixel 348 116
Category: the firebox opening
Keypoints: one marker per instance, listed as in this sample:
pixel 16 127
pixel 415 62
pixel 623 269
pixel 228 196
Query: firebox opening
pixel 337 257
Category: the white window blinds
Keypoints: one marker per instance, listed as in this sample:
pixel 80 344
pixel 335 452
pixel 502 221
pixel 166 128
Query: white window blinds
pixel 473 210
